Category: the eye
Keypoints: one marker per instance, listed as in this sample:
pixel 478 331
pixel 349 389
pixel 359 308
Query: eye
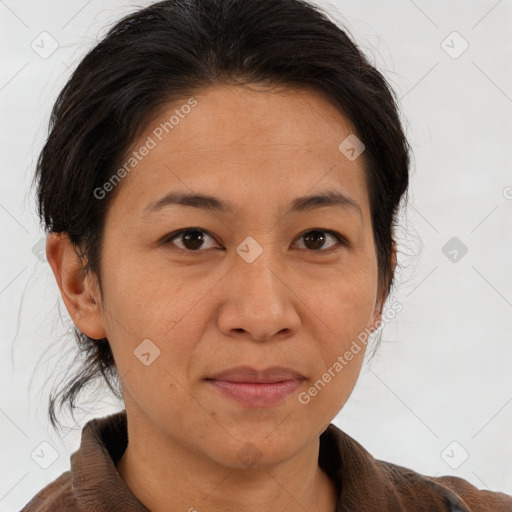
pixel 315 239
pixel 193 239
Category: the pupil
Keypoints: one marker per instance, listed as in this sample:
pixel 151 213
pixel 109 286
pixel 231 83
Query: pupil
pixel 316 237
pixel 192 241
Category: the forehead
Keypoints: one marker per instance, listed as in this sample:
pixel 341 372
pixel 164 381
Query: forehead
pixel 243 144
pixel 230 117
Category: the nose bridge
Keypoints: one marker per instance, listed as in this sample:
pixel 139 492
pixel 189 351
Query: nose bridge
pixel 258 302
pixel 256 265
pixel 258 285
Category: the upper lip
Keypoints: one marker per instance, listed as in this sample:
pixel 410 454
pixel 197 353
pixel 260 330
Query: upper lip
pixel 247 374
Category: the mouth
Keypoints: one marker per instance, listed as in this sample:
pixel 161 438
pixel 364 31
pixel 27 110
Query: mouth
pixel 256 388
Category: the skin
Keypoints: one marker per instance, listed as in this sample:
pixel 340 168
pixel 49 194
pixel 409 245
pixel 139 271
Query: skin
pixel 210 310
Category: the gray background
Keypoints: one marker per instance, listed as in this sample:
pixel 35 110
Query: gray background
pixel 440 388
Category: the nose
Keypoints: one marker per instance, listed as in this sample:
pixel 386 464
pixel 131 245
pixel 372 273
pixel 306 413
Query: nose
pixel 259 301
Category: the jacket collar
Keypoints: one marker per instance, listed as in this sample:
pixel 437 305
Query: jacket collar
pixel 96 482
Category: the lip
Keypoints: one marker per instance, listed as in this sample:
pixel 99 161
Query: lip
pixel 257 388
pixel 248 374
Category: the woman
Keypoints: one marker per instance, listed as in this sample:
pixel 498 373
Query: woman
pixel 219 188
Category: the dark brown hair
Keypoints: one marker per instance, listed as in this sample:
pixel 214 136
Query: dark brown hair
pixel 167 52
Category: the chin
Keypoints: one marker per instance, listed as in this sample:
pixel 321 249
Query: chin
pixel 257 447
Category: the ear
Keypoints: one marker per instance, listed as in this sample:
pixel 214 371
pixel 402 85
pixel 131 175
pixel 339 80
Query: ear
pixel 79 290
pixel 377 315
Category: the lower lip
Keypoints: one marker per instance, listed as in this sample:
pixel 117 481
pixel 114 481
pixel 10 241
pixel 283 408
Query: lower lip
pixel 257 394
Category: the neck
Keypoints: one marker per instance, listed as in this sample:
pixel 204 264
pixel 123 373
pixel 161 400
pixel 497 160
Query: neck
pixel 162 472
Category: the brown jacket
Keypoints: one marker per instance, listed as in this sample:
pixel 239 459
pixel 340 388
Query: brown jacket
pixel 364 483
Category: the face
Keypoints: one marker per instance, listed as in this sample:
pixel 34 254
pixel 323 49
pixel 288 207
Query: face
pixel 257 283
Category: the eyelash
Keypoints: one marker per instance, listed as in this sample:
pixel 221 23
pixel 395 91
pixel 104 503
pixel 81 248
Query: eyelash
pixel 342 241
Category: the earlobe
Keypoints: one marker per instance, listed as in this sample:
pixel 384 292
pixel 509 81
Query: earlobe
pixel 78 288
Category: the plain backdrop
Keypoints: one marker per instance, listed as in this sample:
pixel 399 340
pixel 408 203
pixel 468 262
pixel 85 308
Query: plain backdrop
pixel 437 397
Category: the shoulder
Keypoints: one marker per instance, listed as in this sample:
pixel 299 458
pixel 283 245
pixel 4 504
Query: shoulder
pixel 391 488
pixel 456 493
pixel 56 496
pixel 479 500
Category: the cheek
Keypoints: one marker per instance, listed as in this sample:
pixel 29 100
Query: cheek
pixel 151 323
pixel 152 329
pixel 327 394
pixel 345 308
pixel 341 340
pixel 345 312
pixel 149 300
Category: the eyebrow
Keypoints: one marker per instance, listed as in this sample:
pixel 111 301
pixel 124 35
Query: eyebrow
pixel 327 198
